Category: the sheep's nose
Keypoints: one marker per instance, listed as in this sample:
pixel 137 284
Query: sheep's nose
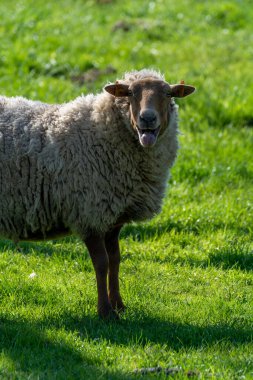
pixel 148 116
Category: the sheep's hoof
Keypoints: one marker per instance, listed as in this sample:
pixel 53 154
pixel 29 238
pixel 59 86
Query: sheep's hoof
pixel 117 304
pixel 121 308
pixel 107 313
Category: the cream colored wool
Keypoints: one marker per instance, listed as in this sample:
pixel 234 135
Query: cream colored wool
pixel 78 166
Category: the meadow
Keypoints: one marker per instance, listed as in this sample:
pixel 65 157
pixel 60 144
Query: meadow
pixel 187 275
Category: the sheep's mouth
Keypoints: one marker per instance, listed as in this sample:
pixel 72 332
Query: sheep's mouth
pixel 148 137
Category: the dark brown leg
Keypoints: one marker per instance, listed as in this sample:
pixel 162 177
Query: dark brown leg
pixel 98 254
pixel 112 248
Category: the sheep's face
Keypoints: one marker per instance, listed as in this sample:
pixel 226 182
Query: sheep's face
pixel 149 102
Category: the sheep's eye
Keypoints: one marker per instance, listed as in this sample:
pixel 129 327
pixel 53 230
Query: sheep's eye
pixel 130 93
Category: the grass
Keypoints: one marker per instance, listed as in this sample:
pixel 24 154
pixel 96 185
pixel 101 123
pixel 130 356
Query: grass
pixel 186 276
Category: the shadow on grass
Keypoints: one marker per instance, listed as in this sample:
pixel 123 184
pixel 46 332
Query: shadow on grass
pixel 144 329
pixel 225 259
pixel 60 247
pixel 235 255
pixel 232 258
pixel 142 232
pixel 36 355
pixel 36 352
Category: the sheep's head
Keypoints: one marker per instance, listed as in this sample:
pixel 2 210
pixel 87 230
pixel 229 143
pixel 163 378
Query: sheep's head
pixel 149 101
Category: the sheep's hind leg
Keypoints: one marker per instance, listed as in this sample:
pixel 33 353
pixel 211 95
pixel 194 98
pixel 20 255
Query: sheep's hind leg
pixel 99 257
pixel 112 248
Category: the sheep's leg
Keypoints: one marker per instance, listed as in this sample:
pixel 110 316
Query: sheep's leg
pixel 99 257
pixel 112 248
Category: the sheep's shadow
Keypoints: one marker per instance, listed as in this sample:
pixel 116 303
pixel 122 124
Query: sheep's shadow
pixel 35 354
pixel 145 330
pixel 19 338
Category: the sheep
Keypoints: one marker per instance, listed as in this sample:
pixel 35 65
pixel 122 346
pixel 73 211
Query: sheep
pixel 88 167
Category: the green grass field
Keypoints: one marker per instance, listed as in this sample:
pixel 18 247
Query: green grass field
pixel 186 276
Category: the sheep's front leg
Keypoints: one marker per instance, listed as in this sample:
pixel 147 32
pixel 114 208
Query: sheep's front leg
pixel 98 254
pixel 112 248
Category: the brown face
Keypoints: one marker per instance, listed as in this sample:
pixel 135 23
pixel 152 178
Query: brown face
pixel 149 107
pixel 149 101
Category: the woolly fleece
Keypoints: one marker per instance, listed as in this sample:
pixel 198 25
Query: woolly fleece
pixel 78 167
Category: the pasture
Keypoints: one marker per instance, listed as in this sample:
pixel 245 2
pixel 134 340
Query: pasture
pixel 187 275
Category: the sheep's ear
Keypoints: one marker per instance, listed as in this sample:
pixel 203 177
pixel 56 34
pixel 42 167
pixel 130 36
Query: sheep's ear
pixel 117 89
pixel 181 90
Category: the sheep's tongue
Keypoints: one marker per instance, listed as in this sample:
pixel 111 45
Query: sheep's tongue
pixel 147 138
